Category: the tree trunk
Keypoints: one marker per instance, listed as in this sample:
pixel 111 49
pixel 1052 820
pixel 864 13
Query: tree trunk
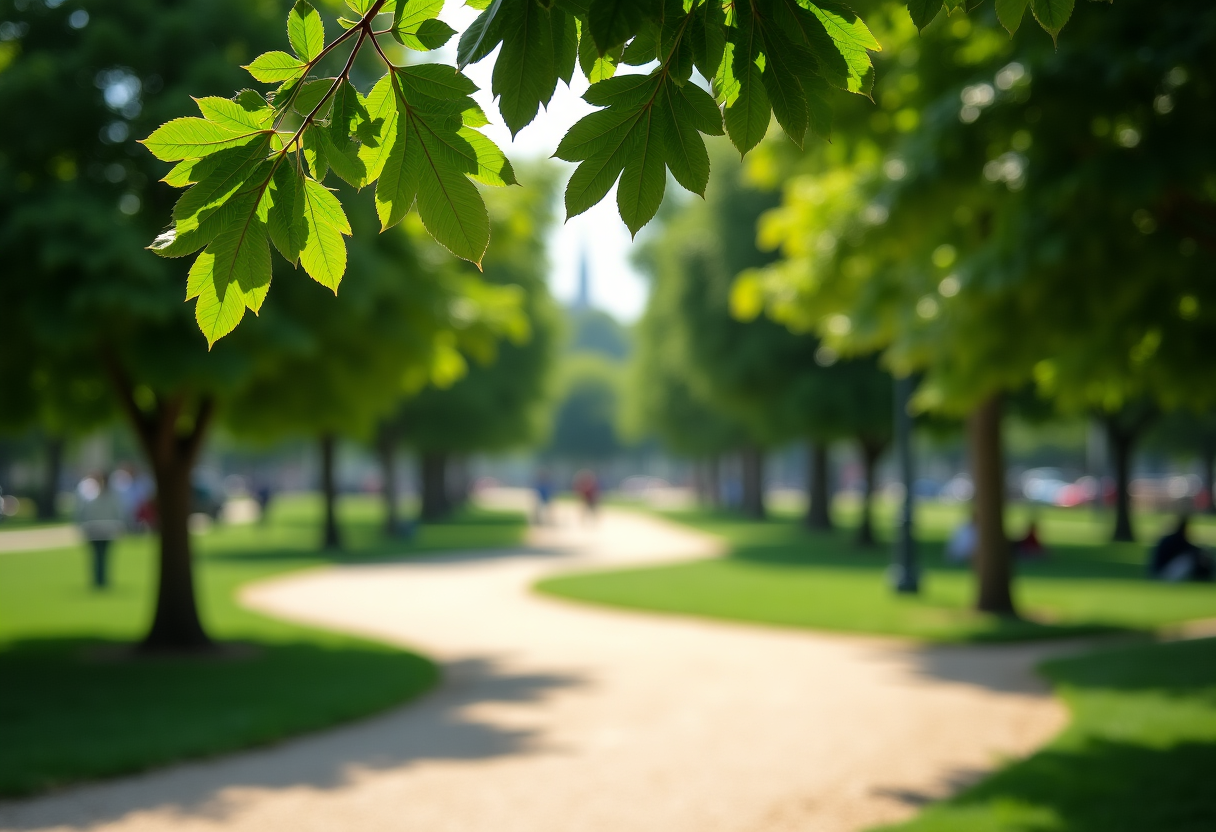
pixel 386 447
pixel 713 480
pixel 818 492
pixel 870 452
pixel 171 439
pixel 1121 462
pixel 331 537
pixel 45 503
pixel 434 486
pixel 753 482
pixel 1208 461
pixel 993 555
pixel 459 484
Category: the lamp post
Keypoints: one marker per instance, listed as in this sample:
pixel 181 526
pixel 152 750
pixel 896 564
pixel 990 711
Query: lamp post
pixel 905 574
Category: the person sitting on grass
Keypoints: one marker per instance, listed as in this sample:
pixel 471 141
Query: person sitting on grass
pixel 1175 558
pixel 1030 546
pixel 101 520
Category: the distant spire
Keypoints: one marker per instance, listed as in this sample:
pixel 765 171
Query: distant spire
pixel 583 299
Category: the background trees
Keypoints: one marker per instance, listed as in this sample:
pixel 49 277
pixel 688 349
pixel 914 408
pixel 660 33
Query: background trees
pixel 1024 231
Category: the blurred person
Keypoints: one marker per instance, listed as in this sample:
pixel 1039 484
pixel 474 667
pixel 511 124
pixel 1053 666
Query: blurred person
pixel 1176 558
pixel 100 516
pixel 587 487
pixel 1029 545
pixel 961 547
pixel 263 494
pixel 544 495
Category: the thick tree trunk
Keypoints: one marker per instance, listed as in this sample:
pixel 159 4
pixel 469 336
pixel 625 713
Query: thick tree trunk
pixel 1208 461
pixel 459 482
pixel 50 483
pixel 871 450
pixel 386 448
pixel 331 536
pixel 171 438
pixel 993 555
pixel 818 491
pixel 1121 462
pixel 434 486
pixel 753 482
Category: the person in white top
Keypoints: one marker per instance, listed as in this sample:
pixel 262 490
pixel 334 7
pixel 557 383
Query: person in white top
pixel 101 519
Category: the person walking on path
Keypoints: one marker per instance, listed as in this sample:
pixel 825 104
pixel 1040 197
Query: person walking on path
pixel 101 519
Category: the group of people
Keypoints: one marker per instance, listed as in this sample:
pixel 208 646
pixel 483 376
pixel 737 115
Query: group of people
pixel 1174 558
pixel 586 487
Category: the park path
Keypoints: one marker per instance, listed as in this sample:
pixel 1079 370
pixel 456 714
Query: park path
pixel 557 717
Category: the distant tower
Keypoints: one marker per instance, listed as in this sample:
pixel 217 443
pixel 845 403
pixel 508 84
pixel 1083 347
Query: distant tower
pixel 583 299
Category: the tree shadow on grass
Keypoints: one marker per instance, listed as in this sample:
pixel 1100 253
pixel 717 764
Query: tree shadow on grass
pixel 1140 754
pixel 68 718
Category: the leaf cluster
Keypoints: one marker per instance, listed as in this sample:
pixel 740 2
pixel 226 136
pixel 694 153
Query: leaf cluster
pixel 255 165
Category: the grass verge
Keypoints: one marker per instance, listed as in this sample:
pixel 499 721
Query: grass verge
pixel 778 573
pixel 1139 754
pixel 69 710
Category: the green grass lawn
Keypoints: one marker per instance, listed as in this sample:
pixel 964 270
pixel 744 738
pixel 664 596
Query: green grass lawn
pixel 69 710
pixel 778 573
pixel 1138 756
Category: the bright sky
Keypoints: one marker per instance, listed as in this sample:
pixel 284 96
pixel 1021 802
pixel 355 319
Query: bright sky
pixel 616 286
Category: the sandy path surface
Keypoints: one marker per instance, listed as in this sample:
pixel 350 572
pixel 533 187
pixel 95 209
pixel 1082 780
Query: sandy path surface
pixel 555 717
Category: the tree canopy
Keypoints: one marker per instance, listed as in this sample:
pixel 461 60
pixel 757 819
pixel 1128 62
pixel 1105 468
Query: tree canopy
pixel 255 164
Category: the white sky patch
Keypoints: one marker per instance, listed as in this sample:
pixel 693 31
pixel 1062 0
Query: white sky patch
pixel 616 286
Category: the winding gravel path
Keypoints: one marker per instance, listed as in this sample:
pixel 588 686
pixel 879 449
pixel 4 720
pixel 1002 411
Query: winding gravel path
pixel 555 717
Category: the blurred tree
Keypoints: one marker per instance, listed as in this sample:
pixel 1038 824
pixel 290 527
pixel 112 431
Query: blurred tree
pixel 502 401
pixel 781 385
pixel 594 330
pixel 345 363
pixel 585 420
pixel 79 201
pixel 1043 220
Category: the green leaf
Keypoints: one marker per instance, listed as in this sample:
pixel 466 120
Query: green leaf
pixel 484 160
pixel 275 68
pixel 1052 14
pixel 726 85
pixel 524 74
pixel 409 15
pixel 645 176
pixel 591 132
pixel 311 94
pixel 359 7
pixel 382 117
pixel 708 38
pixel 398 183
pixel 683 147
pixel 565 46
pixel 324 253
pixel 701 109
pixel 219 178
pixel 285 220
pixel 182 174
pixel 1010 13
pixel 595 66
pixel 217 313
pixel 436 81
pixel 482 35
pixel 192 138
pixel 315 153
pixel 449 205
pixel 593 179
pixel 748 116
pixel 612 22
pixel 854 41
pixel 305 30
pixel 232 116
pixel 923 11
pixel 344 161
pixel 348 116
pixel 786 98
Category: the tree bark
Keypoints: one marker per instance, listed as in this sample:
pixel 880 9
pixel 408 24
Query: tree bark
pixel 459 483
pixel 434 486
pixel 1208 461
pixel 331 536
pixel 171 437
pixel 1121 462
pixel 993 555
pixel 753 482
pixel 871 450
pixel 818 491
pixel 45 503
pixel 386 447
